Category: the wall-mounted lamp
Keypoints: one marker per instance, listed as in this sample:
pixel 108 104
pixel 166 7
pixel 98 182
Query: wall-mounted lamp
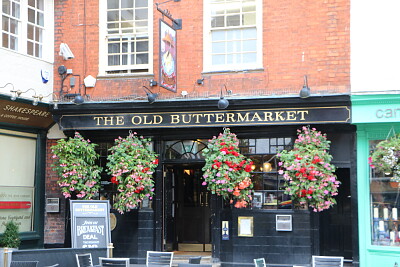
pixel 305 91
pixel 200 81
pixel 54 100
pixel 222 102
pixel 12 85
pixel 152 83
pixel 184 93
pixel 17 93
pixel 151 97
pixel 79 99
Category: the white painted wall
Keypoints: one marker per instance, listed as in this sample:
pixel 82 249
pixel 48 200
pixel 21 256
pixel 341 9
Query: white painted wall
pixel 24 72
pixel 375 46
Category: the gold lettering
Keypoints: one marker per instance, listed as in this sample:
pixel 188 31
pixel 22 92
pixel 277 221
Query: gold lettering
pixel 243 118
pixel 174 119
pixel 197 116
pixel 291 115
pixel 268 116
pixel 159 119
pixel 120 120
pixel 108 120
pixel 278 116
pixel 302 114
pixel 256 115
pixel 183 118
pixel 98 120
pixel 219 117
pixel 208 117
pixel 138 118
pixel 230 117
pixel 147 122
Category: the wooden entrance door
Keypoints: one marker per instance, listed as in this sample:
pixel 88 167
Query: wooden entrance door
pixel 190 208
pixel 335 223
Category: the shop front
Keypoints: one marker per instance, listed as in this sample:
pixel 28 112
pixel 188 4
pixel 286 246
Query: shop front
pixel 377 118
pixel 23 129
pixel 184 216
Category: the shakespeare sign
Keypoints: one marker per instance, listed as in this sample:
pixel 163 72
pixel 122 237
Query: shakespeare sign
pixel 90 224
pixel 338 114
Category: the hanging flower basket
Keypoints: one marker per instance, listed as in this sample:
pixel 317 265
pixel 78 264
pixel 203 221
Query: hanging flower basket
pixel 75 164
pixel 386 157
pixel 309 175
pixel 132 164
pixel 227 172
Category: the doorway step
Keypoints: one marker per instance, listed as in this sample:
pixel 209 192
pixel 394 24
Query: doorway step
pixel 183 257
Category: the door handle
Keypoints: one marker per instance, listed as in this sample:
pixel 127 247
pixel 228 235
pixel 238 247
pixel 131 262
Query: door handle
pixel 201 199
pixel 206 199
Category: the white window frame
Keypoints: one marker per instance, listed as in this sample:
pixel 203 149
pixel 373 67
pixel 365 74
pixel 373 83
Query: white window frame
pixel 207 59
pixel 47 43
pixel 103 45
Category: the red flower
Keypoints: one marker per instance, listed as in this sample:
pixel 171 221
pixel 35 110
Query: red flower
pixel 222 143
pixel 248 168
pixel 155 161
pixel 114 180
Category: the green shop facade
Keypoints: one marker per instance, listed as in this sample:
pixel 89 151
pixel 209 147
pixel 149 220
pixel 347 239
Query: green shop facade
pixel 377 118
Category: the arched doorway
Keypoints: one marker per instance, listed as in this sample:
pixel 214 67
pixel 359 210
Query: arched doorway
pixel 186 213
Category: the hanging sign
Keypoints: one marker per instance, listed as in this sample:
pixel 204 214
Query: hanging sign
pixel 90 223
pixel 339 114
pixel 168 74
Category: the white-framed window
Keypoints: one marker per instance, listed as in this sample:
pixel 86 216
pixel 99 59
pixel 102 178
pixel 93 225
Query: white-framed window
pixel 233 35
pixel 27 27
pixel 126 31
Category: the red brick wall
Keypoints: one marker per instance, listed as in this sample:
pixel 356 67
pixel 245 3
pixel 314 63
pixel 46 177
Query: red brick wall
pixel 319 29
pixel 54 222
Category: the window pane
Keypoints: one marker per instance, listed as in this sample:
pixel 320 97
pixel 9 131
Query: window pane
pixel 127 3
pixel 218 36
pixel 16 10
pixel 140 3
pixel 113 48
pixel 37 50
pixel 5 40
pixel 142 46
pixel 40 5
pixel 30 32
pixel 124 60
pixel 30 48
pixel 217 22
pixel 218 48
pixel 249 19
pixel 142 59
pixel 233 20
pixel 249 58
pixel 113 60
pixel 262 146
pixel 126 15
pixel 218 59
pixel 124 47
pixel 31 3
pixel 249 45
pixel 40 19
pixel 31 16
pixel 112 4
pixel 141 14
pixel 5 23
pixel 112 16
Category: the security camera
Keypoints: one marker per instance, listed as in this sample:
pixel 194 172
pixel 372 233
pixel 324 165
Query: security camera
pixel 65 52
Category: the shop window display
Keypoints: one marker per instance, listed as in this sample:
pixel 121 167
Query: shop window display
pixel 384 197
pixel 268 183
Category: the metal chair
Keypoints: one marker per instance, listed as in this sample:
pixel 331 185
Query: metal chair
pixel 84 260
pixel 326 261
pixel 24 263
pixel 260 262
pixel 114 262
pixel 156 258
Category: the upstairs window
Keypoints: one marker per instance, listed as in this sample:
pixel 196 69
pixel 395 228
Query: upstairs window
pixel 23 26
pixel 233 35
pixel 128 41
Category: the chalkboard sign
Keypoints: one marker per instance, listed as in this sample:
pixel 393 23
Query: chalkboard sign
pixel 90 223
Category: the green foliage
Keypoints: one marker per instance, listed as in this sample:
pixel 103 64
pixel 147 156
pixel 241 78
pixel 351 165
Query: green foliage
pixel 132 164
pixel 309 175
pixel 10 237
pixel 75 164
pixel 386 157
pixel 226 172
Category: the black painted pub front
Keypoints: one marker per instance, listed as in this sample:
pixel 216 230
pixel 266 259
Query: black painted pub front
pixel 184 216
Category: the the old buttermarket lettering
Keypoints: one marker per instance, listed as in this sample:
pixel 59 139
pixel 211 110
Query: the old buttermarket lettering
pixel 201 118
